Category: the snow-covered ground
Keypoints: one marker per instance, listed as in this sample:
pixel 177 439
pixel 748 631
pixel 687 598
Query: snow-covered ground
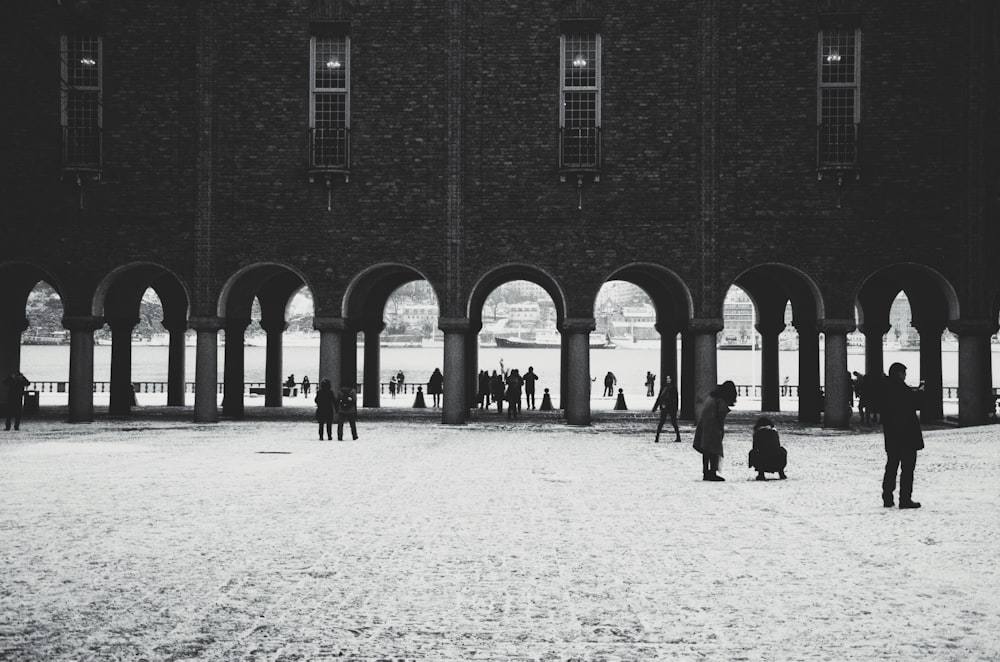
pixel 163 540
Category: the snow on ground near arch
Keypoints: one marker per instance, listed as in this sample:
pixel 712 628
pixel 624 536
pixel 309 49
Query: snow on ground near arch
pixel 496 540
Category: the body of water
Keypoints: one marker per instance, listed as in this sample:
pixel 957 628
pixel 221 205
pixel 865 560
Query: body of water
pixel 149 364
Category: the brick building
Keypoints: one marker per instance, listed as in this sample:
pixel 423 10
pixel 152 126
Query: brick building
pixel 828 153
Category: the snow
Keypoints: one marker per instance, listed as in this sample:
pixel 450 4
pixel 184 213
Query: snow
pixel 497 540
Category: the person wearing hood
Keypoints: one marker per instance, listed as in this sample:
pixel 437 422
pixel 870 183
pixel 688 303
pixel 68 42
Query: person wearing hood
pixel 712 427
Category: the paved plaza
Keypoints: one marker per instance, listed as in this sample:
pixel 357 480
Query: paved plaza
pixel 159 539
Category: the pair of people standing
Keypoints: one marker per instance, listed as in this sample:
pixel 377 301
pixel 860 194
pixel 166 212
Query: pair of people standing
pixel 340 404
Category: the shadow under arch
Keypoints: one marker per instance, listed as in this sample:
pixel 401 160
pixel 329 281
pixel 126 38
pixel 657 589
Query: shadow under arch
pixel 771 287
pixel 933 305
pixel 117 298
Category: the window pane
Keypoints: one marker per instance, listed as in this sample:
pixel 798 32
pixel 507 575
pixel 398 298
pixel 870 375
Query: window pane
pixel 330 133
pixel 331 63
pixel 82 64
pixel 838 56
pixel 581 60
pixel 82 132
pixel 580 109
pixel 838 105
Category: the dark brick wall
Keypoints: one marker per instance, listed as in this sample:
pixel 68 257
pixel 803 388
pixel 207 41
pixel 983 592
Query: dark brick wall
pixel 909 205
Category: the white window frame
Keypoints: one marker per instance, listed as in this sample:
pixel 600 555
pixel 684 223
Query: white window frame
pixel 346 90
pixel 563 88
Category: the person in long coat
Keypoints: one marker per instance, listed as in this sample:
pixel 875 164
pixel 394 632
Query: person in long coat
pixel 666 402
pixel 483 392
pixel 514 384
pixel 497 390
pixel 347 411
pixel 324 409
pixel 435 386
pixel 711 429
pixel 767 455
pixel 903 437
pixel 15 382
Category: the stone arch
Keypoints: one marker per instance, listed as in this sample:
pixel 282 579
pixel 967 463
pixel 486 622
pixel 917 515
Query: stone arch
pixel 272 278
pixel 933 305
pixel 771 286
pixel 497 276
pixel 117 298
pixel 366 294
pixel 18 279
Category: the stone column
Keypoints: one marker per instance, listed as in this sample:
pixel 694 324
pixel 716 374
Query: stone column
pixel 175 361
pixel 576 400
pixel 11 329
pixel 233 371
pixel 81 366
pixel 836 403
pixel 331 330
pixel 704 333
pixel 273 378
pixel 668 352
pixel 349 355
pixel 206 369
pixel 874 359
pixel 932 403
pixel 975 370
pixel 770 382
pixel 685 388
pixel 372 369
pixel 454 410
pixel 472 367
pixel 564 371
pixel 120 398
pixel 810 403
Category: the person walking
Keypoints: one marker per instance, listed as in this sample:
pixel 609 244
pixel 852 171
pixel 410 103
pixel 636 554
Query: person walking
pixel 666 402
pixel 711 429
pixel 609 384
pixel 324 408
pixel 347 411
pixel 306 386
pixel 15 382
pixel 903 437
pixel 435 386
pixel 529 379
pixel 767 455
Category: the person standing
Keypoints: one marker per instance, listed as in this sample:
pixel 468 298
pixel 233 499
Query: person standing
pixel 306 386
pixel 483 390
pixel 347 411
pixel 529 380
pixel 514 383
pixel 497 390
pixel 609 384
pixel 711 429
pixel 650 384
pixel 392 387
pixel 666 402
pixel 903 437
pixel 15 382
pixel 324 409
pixel 435 386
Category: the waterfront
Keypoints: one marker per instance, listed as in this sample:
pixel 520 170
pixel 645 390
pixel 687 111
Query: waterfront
pixel 149 364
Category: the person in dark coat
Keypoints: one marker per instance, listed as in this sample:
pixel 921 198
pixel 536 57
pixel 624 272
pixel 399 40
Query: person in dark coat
pixel 306 386
pixel 483 392
pixel 529 380
pixel 324 408
pixel 903 437
pixel 711 428
pixel 15 382
pixel 435 386
pixel 347 411
pixel 514 383
pixel 767 455
pixel 666 402
pixel 497 390
pixel 609 384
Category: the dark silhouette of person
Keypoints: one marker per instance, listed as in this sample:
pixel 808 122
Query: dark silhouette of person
pixel 347 411
pixel 497 390
pixel 15 382
pixel 546 402
pixel 650 384
pixel 324 408
pixel 711 429
pixel 666 402
pixel 609 384
pixel 514 384
pixel 418 401
pixel 903 437
pixel 435 387
pixel 767 455
pixel 529 380
pixel 392 387
pixel 620 402
pixel 306 386
pixel 483 391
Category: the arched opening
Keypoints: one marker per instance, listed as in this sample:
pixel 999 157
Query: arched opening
pixel 626 320
pixel 410 346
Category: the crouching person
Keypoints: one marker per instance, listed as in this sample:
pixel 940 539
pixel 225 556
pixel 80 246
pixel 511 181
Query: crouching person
pixel 767 455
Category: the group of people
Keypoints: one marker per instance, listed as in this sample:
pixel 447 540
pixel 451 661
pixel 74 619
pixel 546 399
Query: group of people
pixel 396 383
pixel 507 386
pixel 340 404
pixel 898 408
pixel 306 384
